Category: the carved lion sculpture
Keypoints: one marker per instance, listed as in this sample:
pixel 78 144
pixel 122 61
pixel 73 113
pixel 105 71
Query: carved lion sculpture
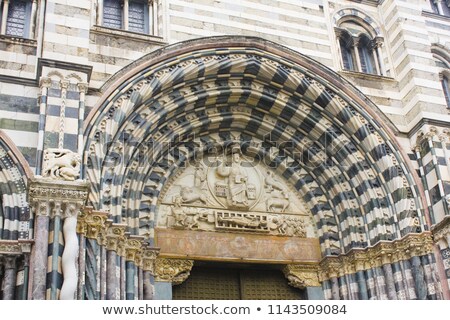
pixel 192 194
pixel 61 164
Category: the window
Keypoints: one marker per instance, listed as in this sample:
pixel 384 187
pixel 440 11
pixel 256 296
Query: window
pixel 17 18
pixel 346 44
pixel 446 88
pixel 366 55
pixel 359 50
pixel 441 7
pixel 138 16
pixel 442 59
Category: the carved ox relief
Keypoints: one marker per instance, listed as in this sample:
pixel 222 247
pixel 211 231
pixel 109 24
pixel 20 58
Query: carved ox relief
pixel 232 194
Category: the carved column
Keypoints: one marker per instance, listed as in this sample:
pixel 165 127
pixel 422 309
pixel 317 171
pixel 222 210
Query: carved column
pixel 70 254
pixel 149 256
pixel 53 198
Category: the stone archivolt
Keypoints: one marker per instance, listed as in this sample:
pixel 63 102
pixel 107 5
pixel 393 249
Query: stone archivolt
pixel 412 245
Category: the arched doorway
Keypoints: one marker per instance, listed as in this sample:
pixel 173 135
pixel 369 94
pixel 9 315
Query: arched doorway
pixel 320 136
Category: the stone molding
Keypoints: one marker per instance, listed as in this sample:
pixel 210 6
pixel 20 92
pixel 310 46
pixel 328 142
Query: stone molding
pixel 15 247
pixel 384 252
pixel 95 225
pixel 57 198
pixel 175 271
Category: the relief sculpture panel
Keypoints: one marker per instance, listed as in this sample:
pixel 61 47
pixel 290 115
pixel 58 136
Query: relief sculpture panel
pixel 232 193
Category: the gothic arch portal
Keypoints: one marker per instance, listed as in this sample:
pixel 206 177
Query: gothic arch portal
pixel 317 132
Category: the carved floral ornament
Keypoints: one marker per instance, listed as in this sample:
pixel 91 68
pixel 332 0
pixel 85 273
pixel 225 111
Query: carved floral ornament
pixel 412 245
pixel 430 133
pixel 95 225
pixel 232 193
pixel 302 276
pixel 172 270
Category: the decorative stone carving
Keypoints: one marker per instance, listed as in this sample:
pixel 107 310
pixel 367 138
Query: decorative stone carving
pixel 412 245
pixel 302 276
pixel 235 186
pixel 172 270
pixel 232 193
pixel 91 223
pixel 441 231
pixel 149 256
pixel 61 164
pixel 15 247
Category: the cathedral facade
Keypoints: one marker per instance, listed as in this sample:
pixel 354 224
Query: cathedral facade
pixel 198 149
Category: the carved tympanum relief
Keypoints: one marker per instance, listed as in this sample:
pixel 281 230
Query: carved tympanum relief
pixel 232 193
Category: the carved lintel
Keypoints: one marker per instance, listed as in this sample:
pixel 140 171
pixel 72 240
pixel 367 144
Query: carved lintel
pixel 302 276
pixel 172 270
pixel 382 253
pixel 61 164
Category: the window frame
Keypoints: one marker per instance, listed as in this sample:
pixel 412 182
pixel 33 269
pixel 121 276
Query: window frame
pixel 150 16
pixel 29 19
pixel 365 50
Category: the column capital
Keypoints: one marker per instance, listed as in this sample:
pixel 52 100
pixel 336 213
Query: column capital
pixel 49 197
pixel 92 223
pixel 149 256
pixel 83 87
pixel 45 82
pixel 115 237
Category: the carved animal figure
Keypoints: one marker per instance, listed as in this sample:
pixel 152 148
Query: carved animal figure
pixel 273 184
pixel 61 163
pixel 272 204
pixel 192 194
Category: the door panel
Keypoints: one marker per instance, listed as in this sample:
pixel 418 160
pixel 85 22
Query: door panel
pixel 234 284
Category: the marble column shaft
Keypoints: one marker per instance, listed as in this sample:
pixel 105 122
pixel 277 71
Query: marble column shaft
pixel 111 265
pixel 40 257
pixel 9 278
pixel 148 287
